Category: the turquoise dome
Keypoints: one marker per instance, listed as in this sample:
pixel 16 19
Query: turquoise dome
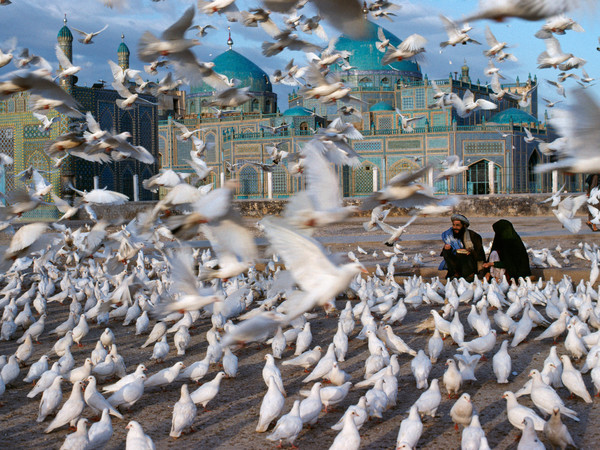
pixel 233 65
pixel 366 58
pixel 513 115
pixel 123 48
pixel 65 33
pixel 381 106
pixel 298 111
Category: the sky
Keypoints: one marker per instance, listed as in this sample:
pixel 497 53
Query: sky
pixel 35 24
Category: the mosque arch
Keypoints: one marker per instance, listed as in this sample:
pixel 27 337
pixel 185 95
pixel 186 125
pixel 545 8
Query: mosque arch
pixel 478 181
pixel 303 126
pixel 363 178
pixel 281 181
pixel 534 180
pixel 248 182
pixel 255 105
pixel 127 183
pixel 145 194
pixel 402 165
pixel 211 147
pixel 365 82
pixel 107 179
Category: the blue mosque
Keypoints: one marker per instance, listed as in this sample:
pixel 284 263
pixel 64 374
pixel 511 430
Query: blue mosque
pixel 21 139
pixel 490 143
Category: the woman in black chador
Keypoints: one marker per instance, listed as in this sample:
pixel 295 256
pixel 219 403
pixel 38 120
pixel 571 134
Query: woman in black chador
pixel 508 255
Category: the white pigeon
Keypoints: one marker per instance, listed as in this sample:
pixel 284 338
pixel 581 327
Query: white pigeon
pixel 165 376
pixel 278 344
pixel 303 340
pixel 462 411
pixel 435 345
pixel 70 411
pixel 557 432
pixel 100 432
pixel 37 369
pixel 573 381
pixel 410 430
pixel 480 345
pixel 271 369
pixel 208 391
pixel 420 367
pixel 306 359
pixel 429 401
pixel 79 439
pixel 348 438
pixel 184 413
pixel 129 393
pixel 51 399
pixel 137 439
pixel 516 413
pixel 452 378
pixel 501 364
pixel 271 406
pixel 546 399
pixel 529 439
pixel 311 406
pixel 361 414
pixel 96 401
pixel 288 426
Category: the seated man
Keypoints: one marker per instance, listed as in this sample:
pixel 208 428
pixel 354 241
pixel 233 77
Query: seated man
pixel 463 250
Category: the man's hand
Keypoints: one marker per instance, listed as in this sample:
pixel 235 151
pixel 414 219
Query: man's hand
pixel 447 247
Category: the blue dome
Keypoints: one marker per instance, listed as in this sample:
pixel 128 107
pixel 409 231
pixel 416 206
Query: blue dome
pixel 298 111
pixel 233 65
pixel 123 48
pixel 366 58
pixel 513 115
pixel 65 33
pixel 381 106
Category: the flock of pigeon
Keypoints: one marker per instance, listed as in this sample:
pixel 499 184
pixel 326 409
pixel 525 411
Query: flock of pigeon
pixel 145 275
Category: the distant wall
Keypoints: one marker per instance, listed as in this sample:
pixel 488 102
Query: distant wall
pixel 471 205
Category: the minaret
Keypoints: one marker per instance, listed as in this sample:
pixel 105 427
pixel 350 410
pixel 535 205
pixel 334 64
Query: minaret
pixel 464 77
pixel 123 54
pixel 65 42
pixel 229 40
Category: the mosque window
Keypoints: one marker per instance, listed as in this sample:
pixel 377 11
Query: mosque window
pixel 534 179
pixel 211 148
pixel 438 120
pixel 11 106
pixel 420 98
pixel 303 126
pixel 385 82
pixel 107 179
pixel 21 105
pixel 248 181
pixel 280 181
pixel 478 182
pixel 365 82
pixel 268 106
pixel 255 106
pixel 127 187
pixel 363 179
pixel 145 194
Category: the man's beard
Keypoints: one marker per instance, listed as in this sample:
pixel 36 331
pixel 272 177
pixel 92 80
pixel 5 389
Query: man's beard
pixel 458 234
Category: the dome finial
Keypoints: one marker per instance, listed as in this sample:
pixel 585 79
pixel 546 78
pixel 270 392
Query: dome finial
pixel 122 37
pixel 229 40
pixel 65 20
pixel 365 9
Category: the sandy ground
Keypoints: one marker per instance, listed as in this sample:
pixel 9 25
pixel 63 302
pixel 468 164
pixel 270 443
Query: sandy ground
pixel 233 414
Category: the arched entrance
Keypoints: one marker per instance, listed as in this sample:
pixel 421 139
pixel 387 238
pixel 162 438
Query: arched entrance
pixel 478 181
pixel 534 180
